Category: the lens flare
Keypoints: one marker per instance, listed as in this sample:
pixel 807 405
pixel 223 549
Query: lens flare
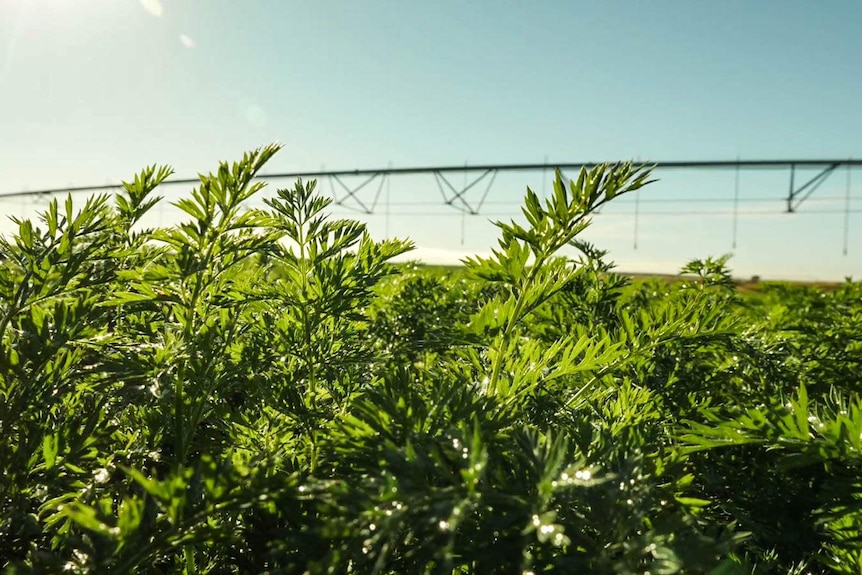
pixel 154 7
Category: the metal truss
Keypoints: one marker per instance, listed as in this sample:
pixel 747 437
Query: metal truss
pixel 349 197
pixel 794 194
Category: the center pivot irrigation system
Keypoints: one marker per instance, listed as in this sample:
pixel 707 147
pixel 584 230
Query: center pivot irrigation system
pixel 346 185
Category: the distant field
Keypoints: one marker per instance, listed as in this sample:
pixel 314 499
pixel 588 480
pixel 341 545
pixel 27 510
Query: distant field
pixel 749 284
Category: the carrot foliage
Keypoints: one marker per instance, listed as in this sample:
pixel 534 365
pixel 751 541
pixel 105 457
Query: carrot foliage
pixel 264 391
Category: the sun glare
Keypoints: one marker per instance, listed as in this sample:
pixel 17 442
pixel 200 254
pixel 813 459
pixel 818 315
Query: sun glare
pixel 154 7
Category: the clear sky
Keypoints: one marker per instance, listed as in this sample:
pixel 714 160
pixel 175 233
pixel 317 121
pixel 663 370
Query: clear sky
pixel 93 90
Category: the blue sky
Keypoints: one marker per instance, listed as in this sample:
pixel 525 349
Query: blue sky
pixel 93 90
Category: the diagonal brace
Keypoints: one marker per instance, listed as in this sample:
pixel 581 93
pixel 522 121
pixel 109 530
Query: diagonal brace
pixel 351 193
pixel 811 185
pixel 459 194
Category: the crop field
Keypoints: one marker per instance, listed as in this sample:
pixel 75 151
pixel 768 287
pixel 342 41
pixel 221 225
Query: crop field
pixel 264 391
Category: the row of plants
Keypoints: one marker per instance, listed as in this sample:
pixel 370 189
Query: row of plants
pixel 264 391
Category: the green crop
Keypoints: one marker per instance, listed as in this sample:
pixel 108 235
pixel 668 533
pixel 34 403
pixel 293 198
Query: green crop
pixel 264 391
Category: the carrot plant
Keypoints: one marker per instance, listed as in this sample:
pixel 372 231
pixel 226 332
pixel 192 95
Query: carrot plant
pixel 264 391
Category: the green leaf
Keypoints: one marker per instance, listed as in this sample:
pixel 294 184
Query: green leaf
pixel 692 501
pixel 86 517
pixel 160 490
pixel 50 446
